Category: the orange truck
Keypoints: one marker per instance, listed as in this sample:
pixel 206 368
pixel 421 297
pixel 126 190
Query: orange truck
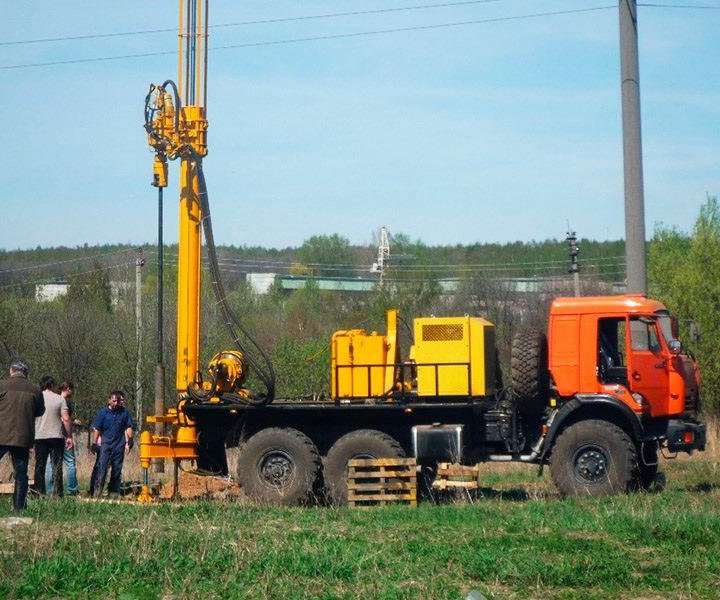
pixel 597 398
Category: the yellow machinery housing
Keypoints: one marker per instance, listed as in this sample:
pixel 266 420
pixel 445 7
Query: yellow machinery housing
pixel 452 356
pixel 363 364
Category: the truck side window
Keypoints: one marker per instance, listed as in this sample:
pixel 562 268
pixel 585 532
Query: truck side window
pixel 644 336
pixel 611 350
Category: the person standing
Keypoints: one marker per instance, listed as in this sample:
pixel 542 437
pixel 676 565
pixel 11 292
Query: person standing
pixel 53 434
pixel 67 390
pixel 113 425
pixel 20 403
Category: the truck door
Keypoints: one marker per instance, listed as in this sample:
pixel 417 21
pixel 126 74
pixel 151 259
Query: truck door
pixel 648 366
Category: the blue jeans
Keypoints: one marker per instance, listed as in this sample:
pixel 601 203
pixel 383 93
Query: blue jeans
pixel 20 459
pixel 70 467
pixel 109 458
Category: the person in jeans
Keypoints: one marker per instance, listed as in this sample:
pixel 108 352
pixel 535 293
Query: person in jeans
pixel 53 434
pixel 67 390
pixel 114 424
pixel 20 403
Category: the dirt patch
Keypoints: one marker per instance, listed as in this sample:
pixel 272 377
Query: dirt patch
pixel 192 485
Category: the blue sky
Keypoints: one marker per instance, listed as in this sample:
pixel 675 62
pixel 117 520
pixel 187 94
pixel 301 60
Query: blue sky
pixel 489 132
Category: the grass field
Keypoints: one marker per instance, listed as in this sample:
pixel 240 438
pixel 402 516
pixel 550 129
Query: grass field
pixel 517 540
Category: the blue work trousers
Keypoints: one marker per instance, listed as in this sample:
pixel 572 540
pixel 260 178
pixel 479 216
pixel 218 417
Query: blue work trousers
pixel 20 459
pixel 71 468
pixel 111 457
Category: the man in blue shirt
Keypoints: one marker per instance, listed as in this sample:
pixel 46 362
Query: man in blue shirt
pixel 114 424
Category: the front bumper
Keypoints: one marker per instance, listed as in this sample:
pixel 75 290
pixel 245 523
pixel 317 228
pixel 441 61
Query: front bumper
pixel 685 436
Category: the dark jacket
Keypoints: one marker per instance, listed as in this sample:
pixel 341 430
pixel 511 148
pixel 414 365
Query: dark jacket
pixel 20 402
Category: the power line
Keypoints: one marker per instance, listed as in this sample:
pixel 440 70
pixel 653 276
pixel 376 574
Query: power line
pixel 688 6
pixel 318 38
pixel 245 23
pixel 69 260
pixel 80 274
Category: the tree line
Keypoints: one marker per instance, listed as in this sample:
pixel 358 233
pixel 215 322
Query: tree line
pixel 88 335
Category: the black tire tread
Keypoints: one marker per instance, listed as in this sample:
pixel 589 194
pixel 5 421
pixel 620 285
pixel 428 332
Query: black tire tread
pixel 529 376
pixel 301 496
pixel 626 471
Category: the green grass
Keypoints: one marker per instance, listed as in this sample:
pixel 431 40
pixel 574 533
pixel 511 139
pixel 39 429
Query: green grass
pixel 519 540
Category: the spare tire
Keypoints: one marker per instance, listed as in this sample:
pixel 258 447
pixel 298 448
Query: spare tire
pixel 529 375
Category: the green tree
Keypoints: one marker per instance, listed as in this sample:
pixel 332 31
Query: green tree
pixel 684 273
pixel 91 287
pixel 328 255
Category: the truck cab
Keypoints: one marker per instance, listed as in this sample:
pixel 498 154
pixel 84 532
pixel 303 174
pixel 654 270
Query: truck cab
pixel 621 389
pixel 624 347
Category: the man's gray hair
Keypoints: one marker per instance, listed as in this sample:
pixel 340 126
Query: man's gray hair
pixel 19 366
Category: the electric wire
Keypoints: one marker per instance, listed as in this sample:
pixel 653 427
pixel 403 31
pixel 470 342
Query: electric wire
pixel 245 23
pixel 689 6
pixel 69 260
pixel 336 36
pixel 264 370
pixel 79 274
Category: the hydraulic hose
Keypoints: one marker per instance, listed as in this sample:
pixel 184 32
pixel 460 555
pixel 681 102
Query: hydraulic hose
pixel 255 356
pixel 251 350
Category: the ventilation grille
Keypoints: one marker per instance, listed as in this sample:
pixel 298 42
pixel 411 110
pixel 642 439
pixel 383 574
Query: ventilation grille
pixel 442 333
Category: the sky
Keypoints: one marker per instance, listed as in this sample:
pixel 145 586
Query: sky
pixel 487 132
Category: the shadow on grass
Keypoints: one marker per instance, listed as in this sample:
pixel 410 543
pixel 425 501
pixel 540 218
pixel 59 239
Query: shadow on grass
pixel 703 488
pixel 462 496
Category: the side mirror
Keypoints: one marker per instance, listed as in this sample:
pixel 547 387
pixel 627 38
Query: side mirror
pixel 674 328
pixel 675 347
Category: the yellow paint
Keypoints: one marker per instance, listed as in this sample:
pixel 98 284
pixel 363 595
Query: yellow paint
pixel 363 364
pixel 455 356
pixel 188 300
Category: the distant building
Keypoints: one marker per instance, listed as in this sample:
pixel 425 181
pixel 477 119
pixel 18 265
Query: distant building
pixel 260 283
pixel 47 292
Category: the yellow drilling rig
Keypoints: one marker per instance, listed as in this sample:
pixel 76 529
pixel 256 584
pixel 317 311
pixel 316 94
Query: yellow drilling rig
pixel 176 125
pixel 601 394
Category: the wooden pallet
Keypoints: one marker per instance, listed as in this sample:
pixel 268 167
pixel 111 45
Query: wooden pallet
pixel 454 476
pixel 382 481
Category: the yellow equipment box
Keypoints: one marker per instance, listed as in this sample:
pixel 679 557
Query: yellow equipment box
pixel 363 364
pixel 455 356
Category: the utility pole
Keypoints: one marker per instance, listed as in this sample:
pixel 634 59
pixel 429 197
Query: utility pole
pixel 383 254
pixel 574 268
pixel 139 262
pixel 632 150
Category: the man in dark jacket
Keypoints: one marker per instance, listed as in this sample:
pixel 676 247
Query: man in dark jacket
pixel 20 402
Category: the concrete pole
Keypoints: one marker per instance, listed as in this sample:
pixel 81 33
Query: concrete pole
pixel 632 150
pixel 139 262
pixel 573 249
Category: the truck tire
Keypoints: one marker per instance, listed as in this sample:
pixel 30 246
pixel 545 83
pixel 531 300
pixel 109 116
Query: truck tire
pixel 529 375
pixel 593 458
pixel 364 443
pixel 280 467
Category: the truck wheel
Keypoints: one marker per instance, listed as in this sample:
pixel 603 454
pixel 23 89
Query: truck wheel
pixel 593 458
pixel 279 466
pixel 364 443
pixel 529 375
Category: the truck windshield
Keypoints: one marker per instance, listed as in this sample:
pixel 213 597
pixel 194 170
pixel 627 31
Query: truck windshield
pixel 665 321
